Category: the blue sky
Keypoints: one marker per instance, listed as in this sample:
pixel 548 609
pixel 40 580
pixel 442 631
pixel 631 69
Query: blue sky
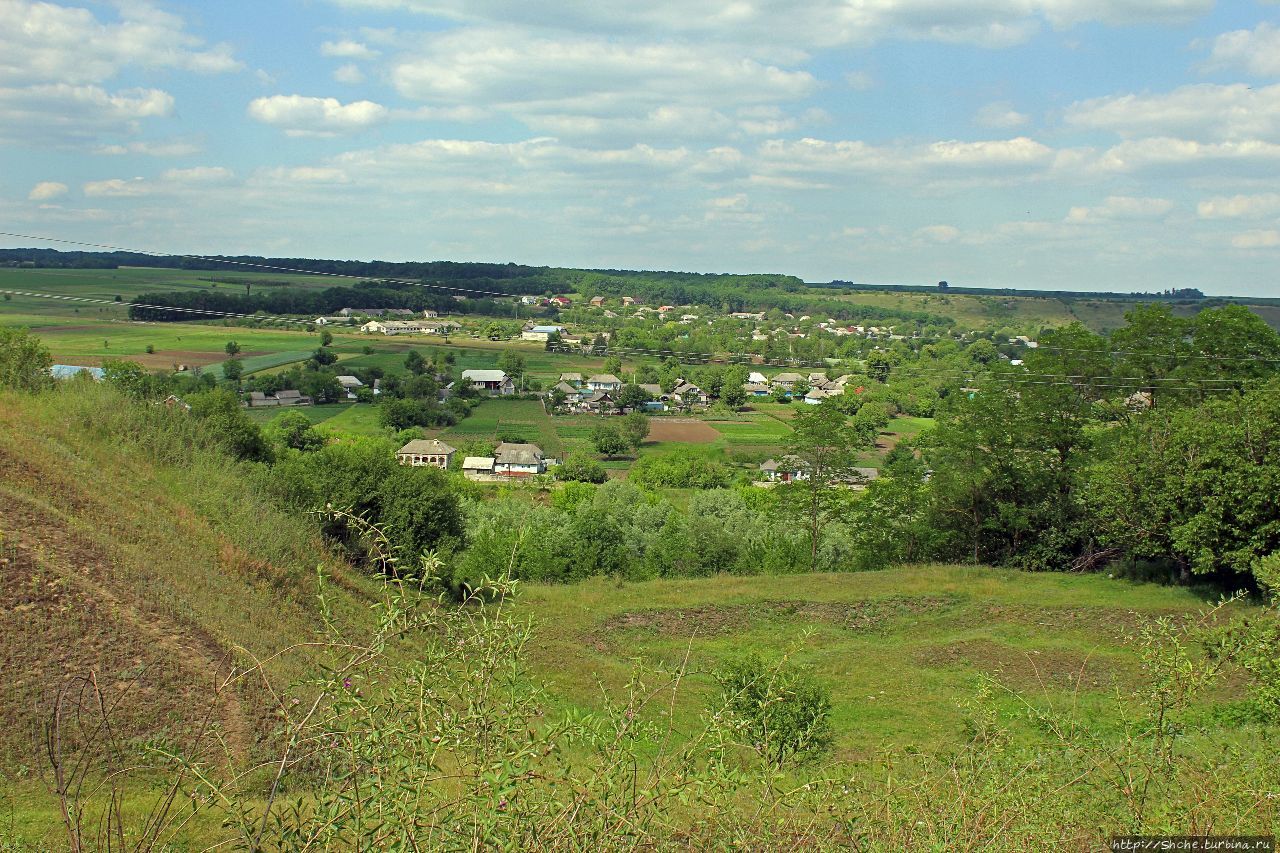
pixel 1077 144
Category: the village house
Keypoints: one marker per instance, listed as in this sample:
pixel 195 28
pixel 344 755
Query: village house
pixel 628 300
pixel 375 312
pixel 518 460
pixel 421 453
pixel 572 378
pixel 786 470
pixel 397 327
pixel 495 383
pixel 689 394
pixel 758 378
pixel 541 333
pixel 477 467
pixel 429 314
pixel 756 389
pixel 597 302
pixel 817 396
pixel 596 402
pixel 604 382
pixel 332 321
pixel 787 381
pixel 259 400
pixel 561 301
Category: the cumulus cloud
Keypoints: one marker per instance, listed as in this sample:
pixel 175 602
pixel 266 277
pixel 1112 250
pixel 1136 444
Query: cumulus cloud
pixel 199 175
pixel 1122 208
pixel 1203 111
pixel 1002 116
pixel 117 188
pixel 823 23
pixel 299 115
pixel 43 42
pixel 65 114
pixel 594 85
pixel 347 49
pixel 988 160
pixel 1260 239
pixel 151 148
pixel 938 233
pixel 54 60
pixel 1240 206
pixel 1255 51
pixel 46 191
pixel 348 74
pixel 1187 158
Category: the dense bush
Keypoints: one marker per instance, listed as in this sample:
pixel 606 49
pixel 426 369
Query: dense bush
pixel 682 468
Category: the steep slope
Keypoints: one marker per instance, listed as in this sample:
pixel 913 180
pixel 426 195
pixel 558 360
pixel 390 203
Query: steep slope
pixel 134 554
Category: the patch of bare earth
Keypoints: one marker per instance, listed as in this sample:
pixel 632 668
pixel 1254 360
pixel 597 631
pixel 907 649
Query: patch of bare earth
pixel 684 431
pixel 66 617
pixel 876 615
pixel 1032 669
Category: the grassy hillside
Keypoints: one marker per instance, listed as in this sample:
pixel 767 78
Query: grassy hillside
pixel 129 552
pixel 900 649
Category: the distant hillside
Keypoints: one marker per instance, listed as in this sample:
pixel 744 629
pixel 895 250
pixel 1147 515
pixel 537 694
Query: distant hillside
pixel 130 551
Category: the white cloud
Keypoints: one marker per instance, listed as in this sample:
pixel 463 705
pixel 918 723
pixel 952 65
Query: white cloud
pixel 348 74
pixel 151 148
pixel 1263 239
pixel 591 86
pixel 1201 111
pixel 995 160
pixel 65 114
pixel 938 233
pixel 117 188
pixel 1255 51
pixel 1002 116
pixel 822 23
pixel 43 43
pixel 859 81
pixel 1240 207
pixel 199 175
pixel 47 190
pixel 299 115
pixel 347 49
pixel 1187 158
pixel 1122 208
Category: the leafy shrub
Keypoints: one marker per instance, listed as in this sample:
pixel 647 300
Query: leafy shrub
pixel 779 710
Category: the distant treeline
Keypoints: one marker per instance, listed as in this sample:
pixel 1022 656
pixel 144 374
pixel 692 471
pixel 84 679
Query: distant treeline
pixel 368 294
pixel 1180 294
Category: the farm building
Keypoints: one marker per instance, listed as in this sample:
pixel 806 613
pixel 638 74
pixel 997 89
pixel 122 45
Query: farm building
pixel 477 467
pixel 604 382
pixel 541 333
pixel 496 383
pixel 70 371
pixel 419 452
pixel 518 460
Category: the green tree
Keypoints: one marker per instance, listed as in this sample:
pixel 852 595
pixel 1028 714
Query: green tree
pixel 232 349
pixel 631 397
pixel 24 361
pixel 294 429
pixel 513 364
pixel 323 357
pixel 326 338
pixel 823 448
pixel 232 370
pixel 779 710
pixel 414 362
pixel 613 364
pixel 228 421
pixel 580 469
pixel 634 429
pixel 608 441
pixel 733 395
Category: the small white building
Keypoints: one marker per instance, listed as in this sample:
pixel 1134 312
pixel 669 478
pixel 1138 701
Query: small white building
pixel 604 382
pixel 541 333
pixel 518 460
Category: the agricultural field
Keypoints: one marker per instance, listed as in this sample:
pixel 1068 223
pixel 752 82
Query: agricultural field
pixel 900 649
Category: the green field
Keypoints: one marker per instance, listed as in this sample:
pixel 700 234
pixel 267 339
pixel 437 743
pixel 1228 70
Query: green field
pixel 900 649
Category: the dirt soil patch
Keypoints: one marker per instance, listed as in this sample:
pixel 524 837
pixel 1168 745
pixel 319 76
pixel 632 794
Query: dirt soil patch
pixel 1032 669
pixel 686 431
pixel 877 615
